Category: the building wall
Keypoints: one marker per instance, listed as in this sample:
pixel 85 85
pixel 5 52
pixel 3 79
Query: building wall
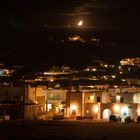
pixel 56 94
pixel 92 110
pixel 136 97
pixel 35 99
pixel 74 104
pixel 56 101
pixel 130 90
pixel 55 97
pixel 30 95
pixel 90 106
pixel 105 97
pixel 121 109
pixel 8 94
pixel 127 97
pixel 16 94
pixel 32 111
pixel 89 97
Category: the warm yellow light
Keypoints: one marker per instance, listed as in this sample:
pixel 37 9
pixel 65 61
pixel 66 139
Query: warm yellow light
pixel 138 110
pixel 113 76
pixel 49 107
pixel 118 97
pixel 87 69
pixel 80 23
pixel 134 97
pixel 51 80
pixel 95 109
pixel 73 107
pixel 60 106
pixel 87 111
pixel 120 67
pixel 75 38
pixel 121 72
pixel 91 97
pixel 105 77
pixel 57 109
pixel 116 108
pixel 94 69
pixel 45 106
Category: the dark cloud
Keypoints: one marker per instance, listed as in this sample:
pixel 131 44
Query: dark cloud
pixel 75 13
pixel 89 5
pixel 104 14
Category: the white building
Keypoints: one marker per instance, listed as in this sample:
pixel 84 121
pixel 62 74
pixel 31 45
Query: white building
pixel 99 104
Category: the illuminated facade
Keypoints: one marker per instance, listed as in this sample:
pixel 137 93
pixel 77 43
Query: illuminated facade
pixel 6 72
pixel 100 104
pixel 55 101
pixel 90 103
pixel 76 38
pixel 131 61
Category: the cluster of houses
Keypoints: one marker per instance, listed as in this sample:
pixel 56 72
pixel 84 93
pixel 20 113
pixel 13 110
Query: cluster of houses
pixel 42 103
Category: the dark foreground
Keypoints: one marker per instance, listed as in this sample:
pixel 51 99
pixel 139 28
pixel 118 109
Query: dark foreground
pixel 68 130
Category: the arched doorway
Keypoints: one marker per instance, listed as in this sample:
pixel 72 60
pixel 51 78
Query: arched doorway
pixel 106 113
pixel 125 112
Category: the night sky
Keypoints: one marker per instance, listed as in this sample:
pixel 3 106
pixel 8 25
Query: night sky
pixel 32 30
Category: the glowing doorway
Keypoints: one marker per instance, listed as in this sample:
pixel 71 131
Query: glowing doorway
pixel 106 113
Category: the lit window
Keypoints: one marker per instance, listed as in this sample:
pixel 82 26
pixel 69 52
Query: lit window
pixel 49 106
pixel 118 97
pixel 91 98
